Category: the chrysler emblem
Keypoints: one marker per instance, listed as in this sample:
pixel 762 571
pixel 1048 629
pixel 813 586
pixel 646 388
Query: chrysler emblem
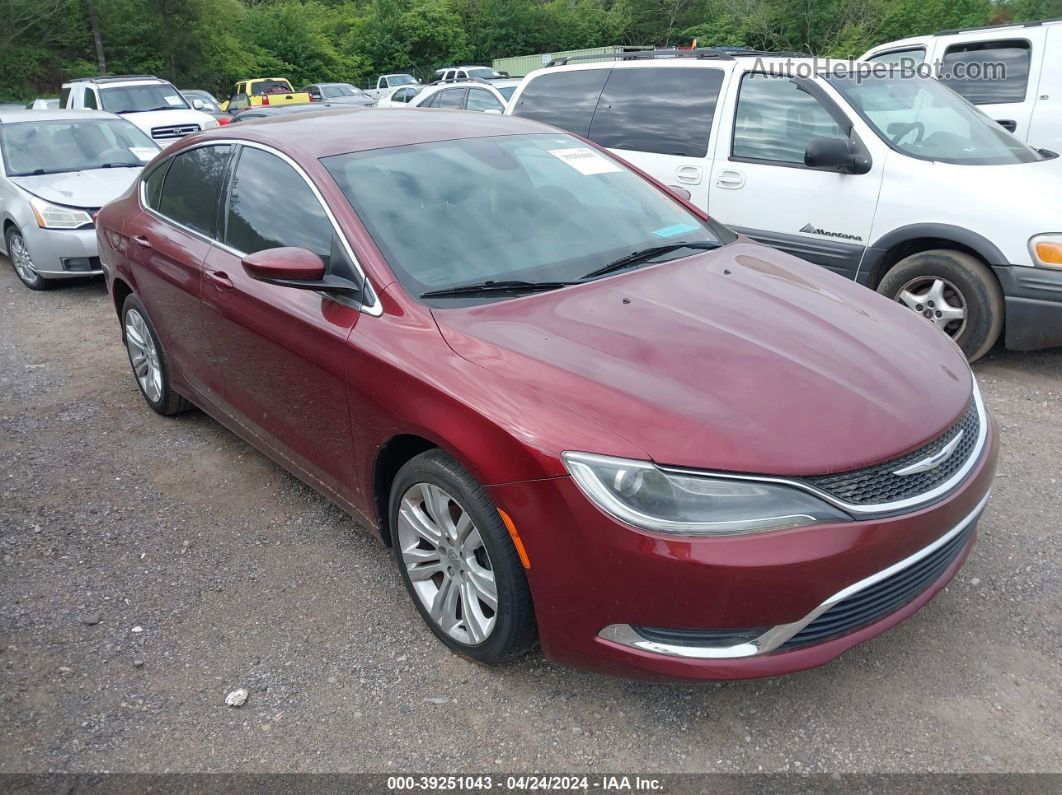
pixel 933 461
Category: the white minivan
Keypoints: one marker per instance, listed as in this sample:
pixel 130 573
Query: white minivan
pixel 1013 73
pixel 892 180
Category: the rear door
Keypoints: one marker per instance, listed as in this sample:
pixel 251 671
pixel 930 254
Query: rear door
pixel 168 244
pixel 761 187
pixel 282 350
pixel 1045 127
pixel 999 75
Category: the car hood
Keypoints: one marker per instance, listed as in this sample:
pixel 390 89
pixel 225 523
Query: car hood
pixel 358 101
pixel 80 188
pixel 741 359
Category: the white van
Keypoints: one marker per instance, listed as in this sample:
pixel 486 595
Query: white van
pixel 894 181
pixel 1012 72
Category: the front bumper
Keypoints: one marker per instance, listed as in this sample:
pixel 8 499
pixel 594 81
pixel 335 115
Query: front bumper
pixel 1033 299
pixel 63 253
pixel 590 575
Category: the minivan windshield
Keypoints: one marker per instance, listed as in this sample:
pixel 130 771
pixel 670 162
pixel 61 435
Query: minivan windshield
pixel 925 119
pixel 31 148
pixel 139 98
pixel 532 208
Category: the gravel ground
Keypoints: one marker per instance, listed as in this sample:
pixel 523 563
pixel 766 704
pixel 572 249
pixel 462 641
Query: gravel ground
pixel 150 566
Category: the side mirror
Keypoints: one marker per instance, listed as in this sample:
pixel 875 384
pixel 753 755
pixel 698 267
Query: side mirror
pixel 198 104
pixel 296 267
pixel 834 154
pixel 682 193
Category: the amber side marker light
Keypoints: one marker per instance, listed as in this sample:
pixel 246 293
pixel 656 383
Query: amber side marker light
pixel 516 538
pixel 1049 253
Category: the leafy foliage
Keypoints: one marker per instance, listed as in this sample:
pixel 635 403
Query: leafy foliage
pixel 212 43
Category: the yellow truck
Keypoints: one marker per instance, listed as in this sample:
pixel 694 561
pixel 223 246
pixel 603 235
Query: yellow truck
pixel 260 91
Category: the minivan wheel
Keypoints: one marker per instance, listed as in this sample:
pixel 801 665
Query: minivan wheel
pixel 151 366
pixel 458 562
pixel 22 262
pixel 954 291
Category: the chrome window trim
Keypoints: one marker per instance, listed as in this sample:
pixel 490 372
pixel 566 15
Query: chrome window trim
pixel 774 637
pixel 375 309
pixel 876 509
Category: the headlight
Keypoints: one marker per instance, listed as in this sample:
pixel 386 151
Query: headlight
pixel 1046 250
pixel 640 494
pixel 52 216
pixel 211 124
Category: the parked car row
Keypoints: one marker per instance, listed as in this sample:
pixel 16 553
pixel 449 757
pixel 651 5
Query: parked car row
pixel 579 363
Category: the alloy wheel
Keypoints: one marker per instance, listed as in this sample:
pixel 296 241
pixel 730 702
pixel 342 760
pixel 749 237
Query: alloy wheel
pixel 447 563
pixel 143 355
pixel 20 258
pixel 937 300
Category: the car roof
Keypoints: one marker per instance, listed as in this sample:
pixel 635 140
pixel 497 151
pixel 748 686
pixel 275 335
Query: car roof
pixel 23 114
pixel 335 132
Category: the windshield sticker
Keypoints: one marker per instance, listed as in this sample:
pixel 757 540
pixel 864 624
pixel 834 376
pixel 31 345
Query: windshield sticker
pixel 143 153
pixel 676 229
pixel 586 161
pixel 173 100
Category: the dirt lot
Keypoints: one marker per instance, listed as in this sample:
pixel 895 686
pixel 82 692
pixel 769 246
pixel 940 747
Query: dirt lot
pixel 151 565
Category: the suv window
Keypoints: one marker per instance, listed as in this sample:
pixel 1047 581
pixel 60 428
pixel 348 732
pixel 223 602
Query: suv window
pixel 90 99
pixel 988 72
pixel 563 99
pixel 270 205
pixel 193 186
pixel 667 111
pixel 481 99
pixel 64 96
pixel 776 120
pixel 912 56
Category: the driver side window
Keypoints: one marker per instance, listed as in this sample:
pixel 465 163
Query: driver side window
pixel 776 120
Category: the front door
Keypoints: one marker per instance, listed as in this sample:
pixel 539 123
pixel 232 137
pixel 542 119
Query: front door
pixel 282 351
pixel 761 187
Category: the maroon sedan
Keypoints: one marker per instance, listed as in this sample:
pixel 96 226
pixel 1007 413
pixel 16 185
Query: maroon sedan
pixel 577 409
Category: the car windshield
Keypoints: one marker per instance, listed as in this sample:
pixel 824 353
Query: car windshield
pixel 204 97
pixel 526 207
pixel 53 147
pixel 484 73
pixel 925 119
pixel 400 80
pixel 147 96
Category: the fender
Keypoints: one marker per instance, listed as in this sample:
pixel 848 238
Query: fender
pixel 869 268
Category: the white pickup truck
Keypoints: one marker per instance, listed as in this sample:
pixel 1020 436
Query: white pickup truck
pixel 151 103
pixel 384 84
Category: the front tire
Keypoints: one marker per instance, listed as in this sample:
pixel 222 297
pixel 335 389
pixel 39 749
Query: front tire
pixel 22 262
pixel 458 562
pixel 147 357
pixel 953 290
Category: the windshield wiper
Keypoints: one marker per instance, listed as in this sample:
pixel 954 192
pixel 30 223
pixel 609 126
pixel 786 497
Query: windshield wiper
pixel 488 287
pixel 636 257
pixel 120 165
pixel 150 110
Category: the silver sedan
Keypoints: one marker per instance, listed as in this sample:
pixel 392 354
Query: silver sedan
pixel 57 168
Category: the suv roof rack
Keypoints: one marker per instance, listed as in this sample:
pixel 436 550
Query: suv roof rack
pixel 112 78
pixel 722 53
pixel 1032 24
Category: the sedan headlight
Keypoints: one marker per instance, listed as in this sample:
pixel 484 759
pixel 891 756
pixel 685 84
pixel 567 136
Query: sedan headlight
pixel 53 216
pixel 1046 250
pixel 645 496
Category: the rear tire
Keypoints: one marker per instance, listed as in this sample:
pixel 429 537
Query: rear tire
pixel 147 357
pixel 457 560
pixel 19 255
pixel 953 290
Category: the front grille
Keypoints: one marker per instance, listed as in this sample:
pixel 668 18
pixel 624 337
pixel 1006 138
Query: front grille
pixel 720 638
pixel 879 483
pixel 173 131
pixel 882 598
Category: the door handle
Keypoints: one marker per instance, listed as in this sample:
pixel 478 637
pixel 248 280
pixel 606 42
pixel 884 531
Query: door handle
pixel 219 279
pixel 141 241
pixel 691 175
pixel 1007 124
pixel 729 179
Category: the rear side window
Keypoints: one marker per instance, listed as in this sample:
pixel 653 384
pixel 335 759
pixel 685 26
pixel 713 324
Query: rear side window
pixel 64 96
pixel 450 99
pixel 776 120
pixel 193 186
pixel 666 111
pixel 270 205
pixel 90 99
pixel 988 72
pixel 563 99
pixel 153 185
pixel 481 99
